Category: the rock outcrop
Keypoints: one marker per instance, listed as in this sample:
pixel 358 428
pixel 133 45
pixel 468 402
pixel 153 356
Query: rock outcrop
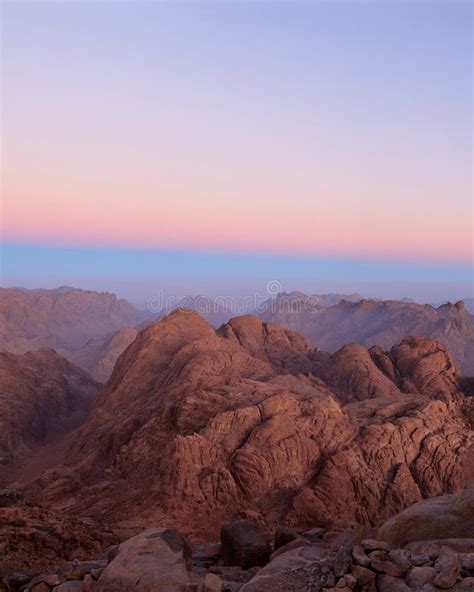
pixel 196 427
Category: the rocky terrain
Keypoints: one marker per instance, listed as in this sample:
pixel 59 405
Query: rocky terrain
pixel 427 548
pixel 98 356
pixel 372 322
pixel 196 427
pixel 42 397
pixel 302 462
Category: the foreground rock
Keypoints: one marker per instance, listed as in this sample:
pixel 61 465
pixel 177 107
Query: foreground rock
pixel 354 560
pixel 156 560
pixel 446 517
pixel 244 544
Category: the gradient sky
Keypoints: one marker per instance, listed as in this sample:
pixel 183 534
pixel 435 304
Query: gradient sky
pixel 312 142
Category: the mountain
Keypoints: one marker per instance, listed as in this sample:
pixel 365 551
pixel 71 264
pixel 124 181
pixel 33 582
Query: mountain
pixel 98 356
pixel 197 426
pixel 63 319
pixel 469 304
pixel 371 322
pixel 42 396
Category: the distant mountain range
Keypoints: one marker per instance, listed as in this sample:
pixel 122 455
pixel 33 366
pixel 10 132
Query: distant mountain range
pixel 376 322
pixel 92 329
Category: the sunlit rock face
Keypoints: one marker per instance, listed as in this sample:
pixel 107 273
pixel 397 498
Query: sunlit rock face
pixel 196 426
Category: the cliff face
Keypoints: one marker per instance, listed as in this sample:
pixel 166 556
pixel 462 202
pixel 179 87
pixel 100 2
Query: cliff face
pixel 196 426
pixel 382 323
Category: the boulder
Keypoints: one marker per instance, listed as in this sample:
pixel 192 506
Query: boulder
pixel 69 586
pixel 157 560
pixel 448 566
pixel 417 577
pixel 294 544
pixel 285 535
pixel 386 583
pixel 363 576
pixel 448 516
pixel 291 571
pixel 244 544
pixel 212 583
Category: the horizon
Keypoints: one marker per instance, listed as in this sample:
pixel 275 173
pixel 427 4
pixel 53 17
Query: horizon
pixel 213 148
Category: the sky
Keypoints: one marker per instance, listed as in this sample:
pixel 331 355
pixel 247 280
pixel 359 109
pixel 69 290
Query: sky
pixel 210 146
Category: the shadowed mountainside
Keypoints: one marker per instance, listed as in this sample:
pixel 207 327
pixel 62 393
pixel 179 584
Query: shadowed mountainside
pixel 42 396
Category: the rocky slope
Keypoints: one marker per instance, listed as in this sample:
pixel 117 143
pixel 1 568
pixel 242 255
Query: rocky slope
pixel 382 323
pixel 42 396
pixel 247 559
pixel 34 538
pixel 63 319
pixel 98 356
pixel 196 426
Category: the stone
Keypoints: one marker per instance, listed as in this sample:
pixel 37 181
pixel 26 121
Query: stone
pixel 40 587
pixel 156 559
pixel 374 545
pixel 363 576
pixel 420 560
pixel 448 516
pixel 419 576
pixel 360 556
pixel 386 583
pixel 212 583
pixel 16 580
pixel 88 583
pixel 96 573
pixel 343 561
pixel 69 586
pixel 52 579
pixel 244 544
pixel 351 581
pixel 467 561
pixel 448 566
pixel 112 553
pixel 315 534
pixel 76 570
pixel 284 535
pixel 294 544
